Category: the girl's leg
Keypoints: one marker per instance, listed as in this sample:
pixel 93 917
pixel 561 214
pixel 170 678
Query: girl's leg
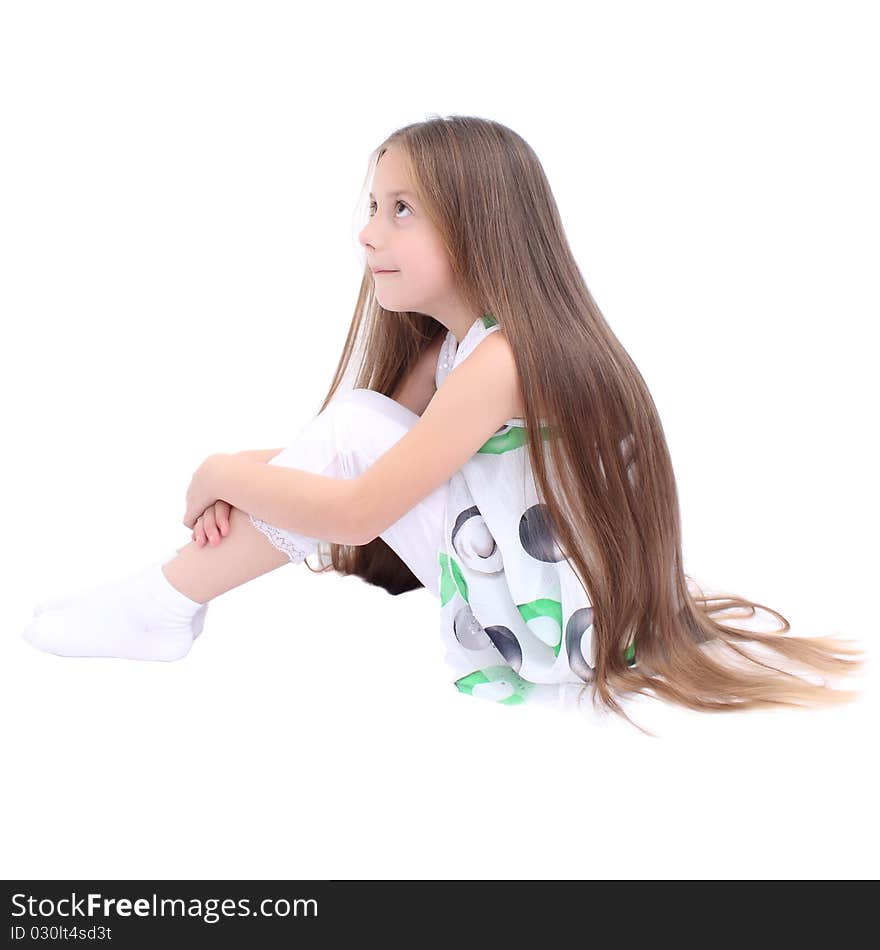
pixel 355 429
pixel 203 573
pixel 156 614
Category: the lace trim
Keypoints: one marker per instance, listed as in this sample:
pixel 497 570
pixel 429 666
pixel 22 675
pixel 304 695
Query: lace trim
pixel 280 540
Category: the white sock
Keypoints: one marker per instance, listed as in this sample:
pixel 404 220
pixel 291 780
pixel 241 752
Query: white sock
pixel 142 617
pixel 76 597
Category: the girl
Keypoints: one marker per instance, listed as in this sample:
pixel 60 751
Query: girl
pixel 499 448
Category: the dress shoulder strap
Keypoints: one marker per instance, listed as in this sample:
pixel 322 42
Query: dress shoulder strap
pixel 453 352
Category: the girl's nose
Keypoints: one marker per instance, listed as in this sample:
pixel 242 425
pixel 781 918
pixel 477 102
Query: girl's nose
pixel 369 239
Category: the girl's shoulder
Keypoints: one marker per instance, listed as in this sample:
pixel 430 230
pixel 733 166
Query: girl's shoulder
pixel 481 328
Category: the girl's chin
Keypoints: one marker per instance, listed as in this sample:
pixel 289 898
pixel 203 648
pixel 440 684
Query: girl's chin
pixel 387 302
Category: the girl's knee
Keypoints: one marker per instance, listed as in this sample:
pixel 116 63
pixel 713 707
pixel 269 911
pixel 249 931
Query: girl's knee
pixel 362 403
pixel 370 397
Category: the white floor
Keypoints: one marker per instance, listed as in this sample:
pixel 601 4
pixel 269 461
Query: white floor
pixel 249 759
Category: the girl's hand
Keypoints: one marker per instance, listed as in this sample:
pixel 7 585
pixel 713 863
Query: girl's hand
pixel 212 524
pixel 200 494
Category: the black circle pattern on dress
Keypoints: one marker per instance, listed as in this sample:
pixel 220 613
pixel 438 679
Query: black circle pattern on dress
pixel 507 645
pixel 536 535
pixel 474 543
pixel 578 623
pixel 468 630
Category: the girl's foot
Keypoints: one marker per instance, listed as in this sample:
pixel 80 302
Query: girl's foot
pixel 76 597
pixel 142 617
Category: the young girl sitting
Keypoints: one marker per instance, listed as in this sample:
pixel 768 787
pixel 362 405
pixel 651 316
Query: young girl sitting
pixel 499 447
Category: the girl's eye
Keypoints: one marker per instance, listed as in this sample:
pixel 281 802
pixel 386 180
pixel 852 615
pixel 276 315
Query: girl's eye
pixel 396 203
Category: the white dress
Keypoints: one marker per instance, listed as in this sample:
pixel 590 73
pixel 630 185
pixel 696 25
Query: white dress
pixel 516 622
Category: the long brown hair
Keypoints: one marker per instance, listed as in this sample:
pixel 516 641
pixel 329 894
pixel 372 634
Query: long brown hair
pixel 607 481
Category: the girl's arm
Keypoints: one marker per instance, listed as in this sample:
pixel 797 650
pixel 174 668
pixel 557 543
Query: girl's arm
pixel 290 498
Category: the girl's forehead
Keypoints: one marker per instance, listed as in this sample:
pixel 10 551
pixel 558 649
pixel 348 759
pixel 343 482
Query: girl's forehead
pixel 393 165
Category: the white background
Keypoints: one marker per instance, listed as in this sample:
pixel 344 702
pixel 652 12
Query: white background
pixel 179 269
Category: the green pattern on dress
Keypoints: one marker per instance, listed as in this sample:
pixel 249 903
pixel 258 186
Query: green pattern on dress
pixel 514 438
pixel 497 674
pixel 544 607
pixel 452 581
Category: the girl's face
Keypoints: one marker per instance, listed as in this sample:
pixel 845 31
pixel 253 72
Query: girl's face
pixel 399 237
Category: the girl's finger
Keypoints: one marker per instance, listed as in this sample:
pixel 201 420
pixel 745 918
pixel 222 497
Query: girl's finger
pixel 211 526
pixel 221 512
